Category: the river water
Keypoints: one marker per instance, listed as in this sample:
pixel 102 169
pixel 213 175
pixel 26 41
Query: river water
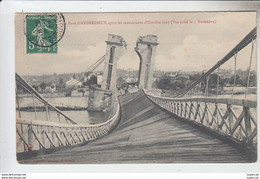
pixel 85 117
pixel 81 117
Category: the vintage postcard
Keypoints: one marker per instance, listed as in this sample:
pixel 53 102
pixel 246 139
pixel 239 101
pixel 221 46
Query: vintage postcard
pixel 138 88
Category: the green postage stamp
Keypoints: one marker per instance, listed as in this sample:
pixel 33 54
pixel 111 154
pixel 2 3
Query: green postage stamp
pixel 43 31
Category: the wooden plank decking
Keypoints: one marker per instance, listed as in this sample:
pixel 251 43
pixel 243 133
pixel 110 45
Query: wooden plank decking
pixel 146 134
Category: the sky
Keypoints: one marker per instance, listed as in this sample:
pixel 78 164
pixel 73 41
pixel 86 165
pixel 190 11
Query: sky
pixel 182 46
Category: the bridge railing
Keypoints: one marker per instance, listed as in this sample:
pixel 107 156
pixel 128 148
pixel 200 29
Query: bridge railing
pixel 38 135
pixel 235 118
pixel 34 134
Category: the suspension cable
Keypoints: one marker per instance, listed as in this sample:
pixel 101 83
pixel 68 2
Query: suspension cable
pixel 207 86
pixel 17 100
pixel 217 82
pixel 97 65
pixel 93 66
pixel 31 90
pixel 89 70
pixel 35 111
pixel 249 70
pixel 98 61
pixel 243 43
pixel 24 87
pixel 235 74
pixel 197 91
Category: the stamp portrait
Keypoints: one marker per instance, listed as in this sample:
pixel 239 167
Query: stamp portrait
pixel 43 31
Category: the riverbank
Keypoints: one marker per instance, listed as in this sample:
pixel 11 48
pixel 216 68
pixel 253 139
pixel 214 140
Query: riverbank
pixel 56 94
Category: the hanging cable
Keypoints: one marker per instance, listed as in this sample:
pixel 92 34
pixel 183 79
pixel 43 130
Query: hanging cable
pixel 197 91
pixel 93 67
pixel 18 105
pixel 31 90
pixel 235 74
pixel 243 43
pixel 207 86
pixel 35 111
pixel 218 81
pixel 46 111
pixel 97 62
pixel 249 70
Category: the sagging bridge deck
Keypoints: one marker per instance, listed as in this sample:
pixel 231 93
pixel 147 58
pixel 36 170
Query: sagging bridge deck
pixel 147 134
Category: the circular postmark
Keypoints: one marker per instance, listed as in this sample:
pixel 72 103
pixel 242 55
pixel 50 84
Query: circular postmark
pixel 45 30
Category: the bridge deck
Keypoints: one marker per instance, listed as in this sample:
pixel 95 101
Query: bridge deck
pixel 146 134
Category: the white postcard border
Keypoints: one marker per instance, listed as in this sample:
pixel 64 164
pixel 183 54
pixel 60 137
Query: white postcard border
pixel 7 76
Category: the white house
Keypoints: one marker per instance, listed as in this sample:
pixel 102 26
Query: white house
pixel 99 79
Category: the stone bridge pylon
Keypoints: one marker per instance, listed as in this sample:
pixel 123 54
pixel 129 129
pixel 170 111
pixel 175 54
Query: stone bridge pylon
pixel 100 98
pixel 115 49
pixel 146 50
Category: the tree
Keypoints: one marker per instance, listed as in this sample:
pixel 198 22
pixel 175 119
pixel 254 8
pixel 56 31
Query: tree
pixel 194 77
pixel 43 86
pixel 252 80
pixel 61 83
pixel 238 81
pixel 176 84
pixel 120 81
pixel 162 83
pixel 213 80
pixel 222 82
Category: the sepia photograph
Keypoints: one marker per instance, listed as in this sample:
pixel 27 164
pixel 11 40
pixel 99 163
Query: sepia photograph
pixel 136 87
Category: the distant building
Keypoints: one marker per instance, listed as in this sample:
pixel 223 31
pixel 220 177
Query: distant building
pixel 172 74
pixel 99 79
pixel 51 88
pixel 85 79
pixel 48 90
pixel 73 83
pixel 130 80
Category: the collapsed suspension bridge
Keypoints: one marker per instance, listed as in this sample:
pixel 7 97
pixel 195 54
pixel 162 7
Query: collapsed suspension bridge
pixel 144 127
